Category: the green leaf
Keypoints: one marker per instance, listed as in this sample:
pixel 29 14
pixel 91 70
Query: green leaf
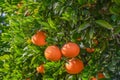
pixel 91 1
pixel 117 30
pixel 33 60
pixel 51 23
pixel 85 78
pixel 5 57
pixel 83 26
pixel 6 66
pixel 117 2
pixel 91 33
pixel 104 24
pixel 81 2
pixel 44 24
pixel 103 47
pixel 71 77
pixel 66 16
pixel 115 10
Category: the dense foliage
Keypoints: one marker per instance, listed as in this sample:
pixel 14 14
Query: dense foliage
pixel 63 21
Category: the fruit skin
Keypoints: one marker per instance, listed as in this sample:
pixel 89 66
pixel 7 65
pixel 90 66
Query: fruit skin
pixel 70 50
pixel 53 53
pixel 90 50
pixel 40 69
pixel 74 66
pixel 39 38
pixel 100 76
pixel 93 78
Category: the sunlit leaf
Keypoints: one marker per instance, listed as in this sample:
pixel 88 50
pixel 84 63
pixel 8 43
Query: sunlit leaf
pixel 51 23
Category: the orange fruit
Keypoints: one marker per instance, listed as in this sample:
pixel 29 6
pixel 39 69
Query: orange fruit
pixel 70 50
pixel 40 69
pixel 100 76
pixel 90 50
pixel 74 66
pixel 52 53
pixel 93 78
pixel 39 38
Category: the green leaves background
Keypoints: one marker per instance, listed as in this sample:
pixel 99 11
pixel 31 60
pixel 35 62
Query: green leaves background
pixel 63 21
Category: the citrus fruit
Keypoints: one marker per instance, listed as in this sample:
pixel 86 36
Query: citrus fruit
pixel 74 66
pixel 52 53
pixel 40 69
pixel 90 50
pixel 39 38
pixel 93 78
pixel 100 76
pixel 70 50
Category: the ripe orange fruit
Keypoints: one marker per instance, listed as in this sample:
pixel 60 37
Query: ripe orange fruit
pixel 39 38
pixel 100 76
pixel 40 69
pixel 70 50
pixel 74 66
pixel 52 53
pixel 93 78
pixel 90 50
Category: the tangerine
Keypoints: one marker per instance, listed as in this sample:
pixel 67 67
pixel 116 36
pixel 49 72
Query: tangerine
pixel 100 76
pixel 74 66
pixel 90 50
pixel 70 50
pixel 40 69
pixel 52 53
pixel 39 38
pixel 93 78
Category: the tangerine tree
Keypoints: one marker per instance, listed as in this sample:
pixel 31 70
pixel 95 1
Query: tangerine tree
pixel 59 39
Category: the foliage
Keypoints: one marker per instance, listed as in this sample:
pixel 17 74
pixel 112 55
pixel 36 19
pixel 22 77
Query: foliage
pixel 63 21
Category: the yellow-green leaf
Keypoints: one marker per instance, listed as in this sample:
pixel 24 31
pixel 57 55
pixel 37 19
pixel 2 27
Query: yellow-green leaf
pixel 51 23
